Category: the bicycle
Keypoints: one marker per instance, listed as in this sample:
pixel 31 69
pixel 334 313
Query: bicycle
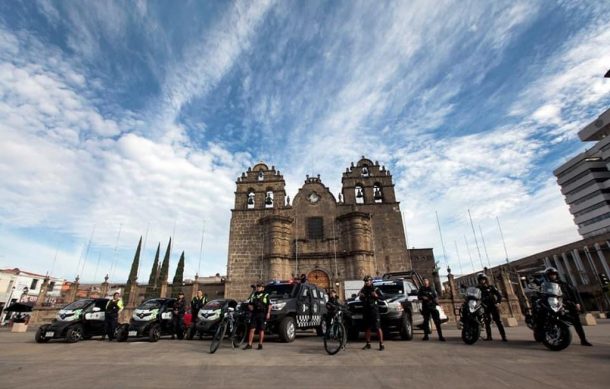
pixel 335 337
pixel 237 326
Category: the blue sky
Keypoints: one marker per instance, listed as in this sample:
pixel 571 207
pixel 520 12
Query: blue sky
pixel 121 119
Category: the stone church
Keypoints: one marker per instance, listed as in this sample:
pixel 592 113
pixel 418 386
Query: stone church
pixel 329 239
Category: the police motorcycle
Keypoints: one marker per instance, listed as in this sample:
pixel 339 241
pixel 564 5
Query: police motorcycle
pixel 79 320
pixel 548 317
pixel 152 319
pixel 472 314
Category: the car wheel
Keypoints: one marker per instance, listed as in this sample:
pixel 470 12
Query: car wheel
pixel 287 329
pixel 40 335
pixel 406 327
pixel 154 334
pixel 74 333
pixel 321 329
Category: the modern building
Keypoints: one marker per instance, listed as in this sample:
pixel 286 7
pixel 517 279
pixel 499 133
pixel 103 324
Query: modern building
pixel 582 263
pixel 329 239
pixel 585 180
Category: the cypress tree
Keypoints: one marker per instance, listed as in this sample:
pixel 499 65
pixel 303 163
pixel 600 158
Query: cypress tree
pixel 179 271
pixel 154 272
pixel 163 274
pixel 133 274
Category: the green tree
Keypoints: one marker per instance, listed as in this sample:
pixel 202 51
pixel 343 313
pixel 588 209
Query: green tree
pixel 178 277
pixel 154 272
pixel 163 274
pixel 133 274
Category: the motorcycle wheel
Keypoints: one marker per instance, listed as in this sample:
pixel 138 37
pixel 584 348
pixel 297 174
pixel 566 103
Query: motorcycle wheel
pixel 557 336
pixel 470 333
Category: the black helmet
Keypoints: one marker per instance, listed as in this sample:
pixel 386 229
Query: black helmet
pixel 481 276
pixel 367 278
pixel 549 270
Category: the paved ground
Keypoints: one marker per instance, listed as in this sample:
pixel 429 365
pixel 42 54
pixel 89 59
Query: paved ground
pixel 304 363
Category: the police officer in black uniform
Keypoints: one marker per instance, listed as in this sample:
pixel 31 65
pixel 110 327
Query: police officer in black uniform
pixel 111 317
pixel 370 312
pixel 332 306
pixel 178 316
pixel 491 298
pixel 197 302
pixel 429 301
pixel 260 307
pixel 570 301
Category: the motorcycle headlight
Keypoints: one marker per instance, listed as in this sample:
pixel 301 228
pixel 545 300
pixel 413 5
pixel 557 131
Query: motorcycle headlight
pixel 278 306
pixel 472 306
pixel 554 303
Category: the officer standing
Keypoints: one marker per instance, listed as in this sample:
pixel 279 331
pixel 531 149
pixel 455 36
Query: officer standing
pixel 260 307
pixel 178 316
pixel 491 298
pixel 571 303
pixel 370 312
pixel 429 301
pixel 111 317
pixel 197 302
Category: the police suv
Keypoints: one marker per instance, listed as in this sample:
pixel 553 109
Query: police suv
pixel 295 306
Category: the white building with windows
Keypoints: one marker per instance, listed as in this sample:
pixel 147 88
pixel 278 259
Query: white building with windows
pixel 585 180
pixel 17 285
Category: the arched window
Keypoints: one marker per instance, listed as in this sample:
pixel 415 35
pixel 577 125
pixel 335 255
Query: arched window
pixel 377 194
pixel 365 171
pixel 359 194
pixel 269 199
pixel 251 198
pixel 261 175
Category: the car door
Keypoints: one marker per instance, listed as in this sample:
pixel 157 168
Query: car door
pixel 412 299
pixel 167 322
pixel 95 317
pixel 317 304
pixel 304 307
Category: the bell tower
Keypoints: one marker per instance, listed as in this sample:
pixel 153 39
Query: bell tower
pixel 367 183
pixel 260 188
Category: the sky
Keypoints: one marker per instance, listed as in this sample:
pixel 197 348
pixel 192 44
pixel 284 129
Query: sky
pixel 127 119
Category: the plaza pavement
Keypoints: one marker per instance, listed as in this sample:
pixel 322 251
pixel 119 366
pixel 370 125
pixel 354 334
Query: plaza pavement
pixel 520 363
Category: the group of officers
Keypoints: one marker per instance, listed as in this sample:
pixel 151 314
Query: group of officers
pixel 259 307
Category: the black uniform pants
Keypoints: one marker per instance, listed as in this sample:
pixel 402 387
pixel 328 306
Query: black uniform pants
pixel 110 323
pixel 179 325
pixel 575 320
pixel 492 312
pixel 428 312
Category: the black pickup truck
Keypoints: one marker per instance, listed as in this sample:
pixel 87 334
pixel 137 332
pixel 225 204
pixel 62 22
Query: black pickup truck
pixel 295 306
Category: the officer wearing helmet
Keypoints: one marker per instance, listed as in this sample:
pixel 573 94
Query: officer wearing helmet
pixel 370 312
pixel 570 300
pixel 491 298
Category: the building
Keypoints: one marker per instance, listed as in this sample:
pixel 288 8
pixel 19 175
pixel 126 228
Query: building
pixel 17 285
pixel 582 263
pixel 329 239
pixel 584 180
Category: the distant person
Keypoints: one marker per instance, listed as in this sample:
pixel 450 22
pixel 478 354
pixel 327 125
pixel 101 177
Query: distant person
pixel 178 316
pixel 303 278
pixel 429 300
pixel 259 305
pixel 491 299
pixel 197 302
pixel 370 312
pixel 111 316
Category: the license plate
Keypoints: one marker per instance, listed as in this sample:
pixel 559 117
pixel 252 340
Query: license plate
pixel 133 333
pixel 49 334
pixel 357 317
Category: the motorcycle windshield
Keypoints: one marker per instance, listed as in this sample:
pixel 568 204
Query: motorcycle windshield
pixel 551 289
pixel 473 292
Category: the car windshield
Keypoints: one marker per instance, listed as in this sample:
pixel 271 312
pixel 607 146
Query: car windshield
pixel 390 289
pixel 79 304
pixel 280 290
pixel 214 304
pixel 150 304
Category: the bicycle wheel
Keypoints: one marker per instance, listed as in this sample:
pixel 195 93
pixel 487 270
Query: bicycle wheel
pixel 218 337
pixel 239 335
pixel 334 340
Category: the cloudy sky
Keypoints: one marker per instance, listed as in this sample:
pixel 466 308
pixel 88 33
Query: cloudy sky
pixel 122 119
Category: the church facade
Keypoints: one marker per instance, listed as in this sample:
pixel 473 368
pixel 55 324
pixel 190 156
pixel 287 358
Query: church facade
pixel 329 239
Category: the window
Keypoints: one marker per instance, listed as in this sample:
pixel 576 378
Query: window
pixel 261 176
pixel 314 292
pixel 305 292
pixel 315 228
pixel 377 195
pixel 365 171
pixel 251 198
pixel 269 199
pixel 34 284
pixel 51 286
pixel 359 194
